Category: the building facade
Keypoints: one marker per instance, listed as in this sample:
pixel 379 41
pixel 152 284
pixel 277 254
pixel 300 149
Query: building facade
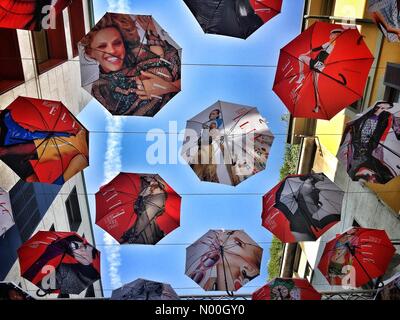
pixel 45 65
pixel 366 205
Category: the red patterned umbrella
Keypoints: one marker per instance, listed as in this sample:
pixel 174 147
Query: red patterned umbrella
pixel 137 208
pixel 323 71
pixel 59 262
pixel 42 141
pixel 361 253
pixel 287 289
pixel 29 14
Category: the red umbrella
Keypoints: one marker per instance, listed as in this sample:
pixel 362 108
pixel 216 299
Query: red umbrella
pixel 287 289
pixel 362 253
pixel 137 208
pixel 323 71
pixel 59 262
pixel 29 14
pixel 42 141
pixel 302 207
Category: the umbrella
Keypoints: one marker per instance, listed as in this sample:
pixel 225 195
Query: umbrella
pixel 360 253
pixel 130 64
pixel 137 208
pixel 390 290
pixel 42 141
pixel 6 217
pixel 370 147
pixel 287 289
pixel 223 260
pixel 142 289
pixel 234 18
pixel 302 207
pixel 59 262
pixel 10 291
pixel 386 14
pixel 323 71
pixel 29 15
pixel 227 143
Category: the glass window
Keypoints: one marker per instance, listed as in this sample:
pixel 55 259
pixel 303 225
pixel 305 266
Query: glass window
pixel 73 211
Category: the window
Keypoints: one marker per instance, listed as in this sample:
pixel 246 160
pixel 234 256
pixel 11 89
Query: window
pixel 77 24
pixel 356 224
pixel 90 292
pixel 296 261
pixel 308 272
pixel 52 228
pixel 11 71
pixel 50 47
pixel 73 211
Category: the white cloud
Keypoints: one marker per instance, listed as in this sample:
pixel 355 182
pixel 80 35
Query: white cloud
pixel 112 166
pixel 121 6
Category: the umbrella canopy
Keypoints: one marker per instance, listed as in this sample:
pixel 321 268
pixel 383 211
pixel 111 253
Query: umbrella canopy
pixel 227 143
pixel 361 253
pixel 138 208
pixel 386 14
pixel 29 15
pixel 223 260
pixel 323 71
pixel 302 207
pixel 390 290
pixel 6 217
pixel 234 18
pixel 10 291
pixel 370 147
pixel 42 141
pixel 59 262
pixel 287 289
pixel 130 64
pixel 142 289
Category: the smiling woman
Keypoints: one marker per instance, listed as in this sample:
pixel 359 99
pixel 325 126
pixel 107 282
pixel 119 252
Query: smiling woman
pixel 139 65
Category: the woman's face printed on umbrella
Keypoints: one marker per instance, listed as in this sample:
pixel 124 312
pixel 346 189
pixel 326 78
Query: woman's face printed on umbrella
pixel 82 253
pixel 380 107
pixel 108 49
pixel 214 114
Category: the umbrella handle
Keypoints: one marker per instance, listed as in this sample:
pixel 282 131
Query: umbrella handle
pixel 41 295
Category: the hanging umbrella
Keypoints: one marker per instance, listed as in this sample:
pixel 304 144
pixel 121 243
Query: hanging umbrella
pixel 223 260
pixel 142 289
pixel 6 217
pixel 130 64
pixel 367 252
pixel 42 141
pixel 227 143
pixel 390 290
pixel 29 15
pixel 59 262
pixel 234 18
pixel 386 14
pixel 10 291
pixel 323 71
pixel 302 207
pixel 137 208
pixel 370 147
pixel 287 289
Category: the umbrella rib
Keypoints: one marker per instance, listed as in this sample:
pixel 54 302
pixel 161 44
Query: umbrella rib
pixel 133 184
pixel 71 145
pixel 225 136
pixel 38 111
pixel 212 17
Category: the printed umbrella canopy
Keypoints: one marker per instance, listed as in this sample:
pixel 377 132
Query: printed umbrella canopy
pixel 42 141
pixel 234 18
pixel 302 207
pixel 287 289
pixel 30 14
pixel 6 217
pixel 386 14
pixel 142 289
pixel 10 291
pixel 370 147
pixel 323 71
pixel 137 208
pixel 59 262
pixel 390 290
pixel 223 260
pixel 130 64
pixel 227 143
pixel 356 257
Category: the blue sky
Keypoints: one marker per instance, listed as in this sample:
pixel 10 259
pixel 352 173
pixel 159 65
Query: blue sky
pixel 201 87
